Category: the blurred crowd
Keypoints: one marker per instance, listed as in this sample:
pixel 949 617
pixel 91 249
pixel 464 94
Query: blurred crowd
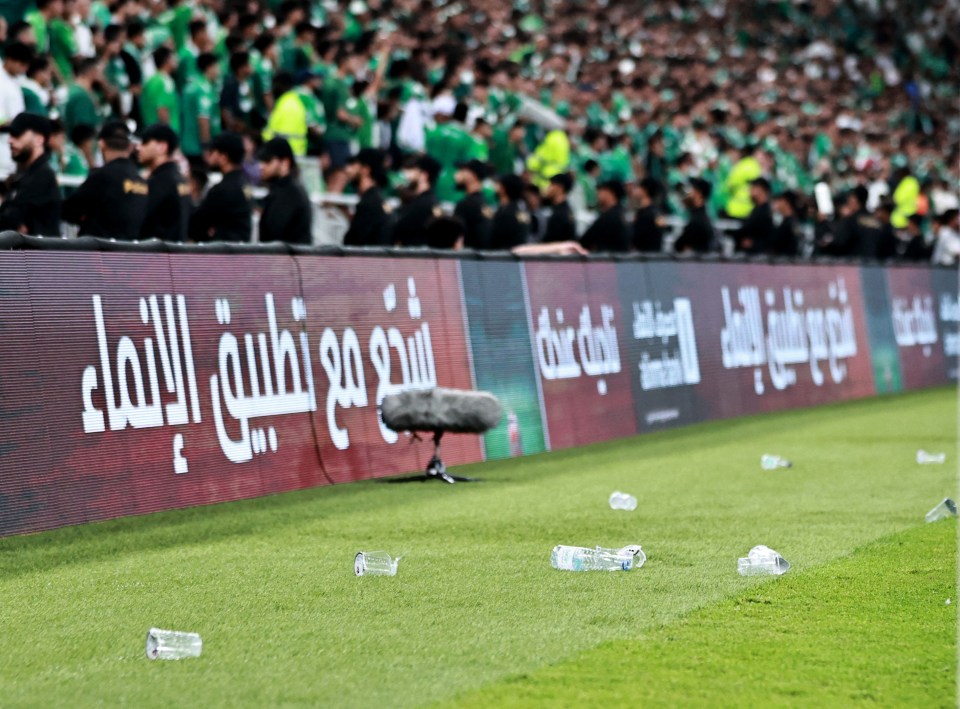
pixel 820 126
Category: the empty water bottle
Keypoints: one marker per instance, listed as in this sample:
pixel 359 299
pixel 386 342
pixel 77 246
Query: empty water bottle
pixel 925 458
pixel 946 508
pixel 172 644
pixel 772 462
pixel 622 501
pixel 568 558
pixel 762 561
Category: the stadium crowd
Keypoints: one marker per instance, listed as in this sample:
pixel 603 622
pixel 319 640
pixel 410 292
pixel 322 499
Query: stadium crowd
pixel 498 125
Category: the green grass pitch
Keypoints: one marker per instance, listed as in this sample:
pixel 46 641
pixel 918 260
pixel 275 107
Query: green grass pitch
pixel 476 616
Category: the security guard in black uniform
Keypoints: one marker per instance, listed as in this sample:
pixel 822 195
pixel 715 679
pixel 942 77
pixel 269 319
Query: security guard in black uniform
pixel 698 235
pixel 225 214
pixel 32 204
pixel 511 223
pixel 421 207
pixel 112 201
pixel 473 211
pixel 609 230
pixel 287 213
pixel 370 225
pixel 168 202
pixel 561 224
pixel 857 234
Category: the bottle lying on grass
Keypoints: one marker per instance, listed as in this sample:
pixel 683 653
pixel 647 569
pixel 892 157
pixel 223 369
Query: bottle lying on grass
pixel 925 458
pixel 568 558
pixel 172 644
pixel 762 561
pixel 772 462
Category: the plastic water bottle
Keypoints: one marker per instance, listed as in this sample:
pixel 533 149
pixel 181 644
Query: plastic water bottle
pixel 762 561
pixel 172 644
pixel 568 558
pixel 946 508
pixel 772 462
pixel 925 458
pixel 622 501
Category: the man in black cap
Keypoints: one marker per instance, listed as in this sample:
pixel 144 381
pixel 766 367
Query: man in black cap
pixel 421 207
pixel 287 213
pixel 511 223
pixel 473 211
pixel 168 202
pixel 756 233
pixel 32 204
pixel 648 222
pixel 697 235
pixel 609 230
pixel 561 224
pixel 225 213
pixel 112 201
pixel 370 225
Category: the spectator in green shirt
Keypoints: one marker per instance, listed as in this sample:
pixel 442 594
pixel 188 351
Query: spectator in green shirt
pixel 199 43
pixel 63 40
pixel 37 87
pixel 66 158
pixel 40 18
pixel 342 125
pixel 81 107
pixel 201 107
pixel 160 102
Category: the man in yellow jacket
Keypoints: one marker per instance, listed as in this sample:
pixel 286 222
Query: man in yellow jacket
pixel 552 157
pixel 906 197
pixel 288 120
pixel 743 172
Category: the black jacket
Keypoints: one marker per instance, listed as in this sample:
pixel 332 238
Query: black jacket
pixel 168 205
pixel 786 239
pixel 370 223
pixel 608 232
pixel 697 235
pixel 511 226
pixel 647 232
pixel 859 234
pixel 757 229
pixel 561 226
pixel 33 201
pixel 111 202
pixel 224 214
pixel 287 213
pixel 474 212
pixel 415 215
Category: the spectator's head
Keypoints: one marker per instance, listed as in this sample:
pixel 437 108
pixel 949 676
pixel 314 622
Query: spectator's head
pixel 276 160
pixel 313 80
pixel 114 140
pixel 509 188
pixel 200 36
pixel 86 70
pixel 592 168
pixel 50 8
pixel 648 191
pixel 610 193
pixel 16 58
pixel 113 39
pixel 421 173
pixel 165 60
pixel 304 33
pixel 158 144
pixel 290 12
pixel 857 199
pixel 915 225
pixel 209 66
pixel 368 168
pixel 41 71
pixel 786 203
pixel 445 233
pixel 21 32
pixel 266 45
pixel 137 34
pixel 240 65
pixel 698 192
pixel 470 175
pixel 248 26
pixel 226 152
pixel 443 108
pixel 950 219
pixel 760 190
pixel 58 138
pixel 282 83
pixel 559 188
pixel 82 136
pixel 28 137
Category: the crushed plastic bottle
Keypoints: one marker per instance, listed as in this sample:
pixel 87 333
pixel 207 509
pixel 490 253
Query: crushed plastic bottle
pixel 622 501
pixel 925 458
pixel 946 508
pixel 568 558
pixel 172 644
pixel 772 462
pixel 375 563
pixel 762 561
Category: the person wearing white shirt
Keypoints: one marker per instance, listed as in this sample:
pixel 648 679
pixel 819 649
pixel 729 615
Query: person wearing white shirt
pixel 15 62
pixel 946 251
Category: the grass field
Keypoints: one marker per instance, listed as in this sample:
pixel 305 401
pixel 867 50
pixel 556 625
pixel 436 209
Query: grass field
pixel 476 616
